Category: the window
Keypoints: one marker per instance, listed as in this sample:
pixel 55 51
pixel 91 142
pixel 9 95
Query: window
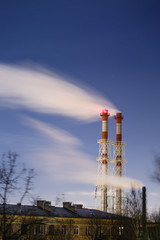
pixel 39 229
pixel 9 229
pixel 75 230
pixel 51 230
pixel 99 230
pixel 88 230
pixel 24 229
pixel 114 230
pixel 31 229
pixel 120 231
pixel 63 230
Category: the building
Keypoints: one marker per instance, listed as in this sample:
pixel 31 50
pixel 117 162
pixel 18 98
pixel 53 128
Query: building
pixel 43 221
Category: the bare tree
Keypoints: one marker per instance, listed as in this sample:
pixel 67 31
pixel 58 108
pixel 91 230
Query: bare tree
pixel 153 227
pixel 60 198
pixel 133 210
pixel 100 228
pixel 156 174
pixel 12 181
pixel 155 216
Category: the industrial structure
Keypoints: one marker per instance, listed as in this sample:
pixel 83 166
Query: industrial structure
pixel 111 162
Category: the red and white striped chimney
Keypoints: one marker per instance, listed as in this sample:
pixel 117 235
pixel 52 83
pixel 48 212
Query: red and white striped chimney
pixel 104 157
pixel 118 118
pixel 105 116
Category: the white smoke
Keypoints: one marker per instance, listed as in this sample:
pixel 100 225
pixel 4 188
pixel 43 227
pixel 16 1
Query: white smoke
pixel 78 163
pixel 58 135
pixel 61 160
pixel 45 92
pixel 42 91
pixel 120 182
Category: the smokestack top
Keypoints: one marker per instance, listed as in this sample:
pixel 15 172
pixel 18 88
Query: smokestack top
pixel 119 116
pixel 104 112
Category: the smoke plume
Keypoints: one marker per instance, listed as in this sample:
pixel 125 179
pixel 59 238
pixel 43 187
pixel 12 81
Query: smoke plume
pixel 66 151
pixel 109 180
pixel 121 182
pixel 42 91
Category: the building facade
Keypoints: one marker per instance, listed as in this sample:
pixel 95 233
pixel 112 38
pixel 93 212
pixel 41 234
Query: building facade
pixel 43 221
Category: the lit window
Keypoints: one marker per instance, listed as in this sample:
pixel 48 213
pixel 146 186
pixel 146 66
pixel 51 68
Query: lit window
pixel 75 230
pixel 120 231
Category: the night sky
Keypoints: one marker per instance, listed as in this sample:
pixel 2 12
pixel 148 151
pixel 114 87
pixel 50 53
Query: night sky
pixel 110 49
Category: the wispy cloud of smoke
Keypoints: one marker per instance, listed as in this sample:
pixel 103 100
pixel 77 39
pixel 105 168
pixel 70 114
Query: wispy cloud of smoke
pixel 42 91
pixel 110 180
pixel 56 134
pixel 81 193
pixel 154 194
pixel 61 160
pixel 45 92
pixel 79 167
pixel 121 182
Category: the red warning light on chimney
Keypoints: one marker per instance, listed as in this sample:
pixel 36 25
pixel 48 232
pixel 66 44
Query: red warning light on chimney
pixel 105 111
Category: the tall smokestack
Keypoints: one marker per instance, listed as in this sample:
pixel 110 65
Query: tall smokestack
pixel 118 118
pixel 144 212
pixel 104 156
pixel 105 116
pixel 110 165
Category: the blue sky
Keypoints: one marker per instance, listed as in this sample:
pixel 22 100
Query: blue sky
pixel 111 50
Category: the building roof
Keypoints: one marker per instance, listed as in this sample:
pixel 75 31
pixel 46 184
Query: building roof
pixel 72 211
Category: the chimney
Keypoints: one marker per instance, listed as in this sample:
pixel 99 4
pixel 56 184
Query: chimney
pixel 78 206
pixel 144 212
pixel 104 157
pixel 40 203
pixel 119 157
pixel 45 205
pixel 69 206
